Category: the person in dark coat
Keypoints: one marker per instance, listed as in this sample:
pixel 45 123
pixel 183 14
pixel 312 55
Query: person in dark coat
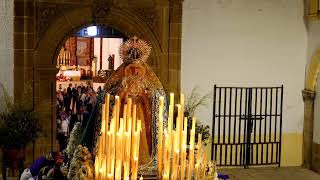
pixel 38 164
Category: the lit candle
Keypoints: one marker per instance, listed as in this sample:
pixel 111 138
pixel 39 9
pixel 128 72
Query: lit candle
pixel 134 116
pixel 118 155
pixel 170 121
pixel 204 163
pixel 108 154
pixel 184 149
pixel 136 136
pixel 182 103
pixel 112 147
pixel 181 117
pixel 191 154
pixel 96 167
pixel 172 99
pixel 196 174
pixel 179 126
pixel 199 148
pixel 166 159
pixel 175 155
pixel 117 107
pixel 129 109
pixel 129 130
pixel 107 108
pixel 124 123
pixel 141 178
pixel 134 168
pixel 107 134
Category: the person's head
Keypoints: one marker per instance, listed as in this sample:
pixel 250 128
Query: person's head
pixel 51 155
pixel 70 85
pixel 59 158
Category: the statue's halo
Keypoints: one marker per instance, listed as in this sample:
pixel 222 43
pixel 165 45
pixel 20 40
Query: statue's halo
pixel 139 46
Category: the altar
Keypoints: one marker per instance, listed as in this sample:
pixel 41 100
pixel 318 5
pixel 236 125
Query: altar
pixel 73 74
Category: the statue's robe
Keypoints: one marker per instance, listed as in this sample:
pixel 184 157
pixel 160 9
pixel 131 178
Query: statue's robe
pixel 137 81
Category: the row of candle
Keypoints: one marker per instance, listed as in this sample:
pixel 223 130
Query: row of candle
pixel 118 144
pixel 64 58
pixel 172 146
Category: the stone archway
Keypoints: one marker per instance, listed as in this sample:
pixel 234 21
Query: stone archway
pixel 49 46
pixel 56 22
pixel 311 153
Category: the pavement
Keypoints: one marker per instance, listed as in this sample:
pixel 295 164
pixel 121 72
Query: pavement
pixel 282 173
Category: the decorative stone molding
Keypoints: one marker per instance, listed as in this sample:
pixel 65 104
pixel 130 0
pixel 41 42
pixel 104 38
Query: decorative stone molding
pixel 313 10
pixel 100 10
pixel 313 71
pixel 149 15
pixel 308 98
pixel 46 13
pixel 308 95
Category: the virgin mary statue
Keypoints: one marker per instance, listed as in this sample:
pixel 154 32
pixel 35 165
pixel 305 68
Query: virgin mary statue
pixel 135 79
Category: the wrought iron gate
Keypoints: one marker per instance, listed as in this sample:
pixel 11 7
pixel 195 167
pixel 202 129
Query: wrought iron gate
pixel 247 126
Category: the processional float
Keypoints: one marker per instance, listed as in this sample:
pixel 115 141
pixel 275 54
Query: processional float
pixel 118 145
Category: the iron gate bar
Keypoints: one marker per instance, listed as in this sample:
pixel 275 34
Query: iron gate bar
pixel 275 127
pixel 281 106
pixel 245 146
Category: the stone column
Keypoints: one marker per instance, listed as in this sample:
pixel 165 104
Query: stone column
pixel 174 45
pixel 308 98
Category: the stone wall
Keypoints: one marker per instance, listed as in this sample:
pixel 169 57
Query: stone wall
pixel 41 27
pixel 6 44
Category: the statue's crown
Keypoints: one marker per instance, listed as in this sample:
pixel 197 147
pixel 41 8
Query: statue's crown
pixel 135 50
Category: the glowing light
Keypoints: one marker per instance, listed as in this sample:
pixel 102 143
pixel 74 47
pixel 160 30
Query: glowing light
pixel 92 30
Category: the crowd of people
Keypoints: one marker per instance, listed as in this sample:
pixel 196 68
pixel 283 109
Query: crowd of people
pixel 46 167
pixel 74 104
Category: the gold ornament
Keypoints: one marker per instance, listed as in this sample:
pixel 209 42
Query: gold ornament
pixel 135 50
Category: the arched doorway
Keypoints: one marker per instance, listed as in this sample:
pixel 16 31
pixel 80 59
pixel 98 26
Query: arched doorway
pixel 48 48
pixel 311 145
pixel 47 25
pixel 85 62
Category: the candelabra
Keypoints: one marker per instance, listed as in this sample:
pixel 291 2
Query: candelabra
pixel 118 145
pixel 123 135
pixel 172 146
pixel 64 58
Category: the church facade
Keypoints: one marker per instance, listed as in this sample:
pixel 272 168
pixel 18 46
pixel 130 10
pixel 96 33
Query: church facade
pixel 224 42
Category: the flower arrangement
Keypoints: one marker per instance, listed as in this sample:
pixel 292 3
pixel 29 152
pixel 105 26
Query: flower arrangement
pixel 73 140
pixel 211 170
pixel 193 102
pixel 19 122
pixel 81 166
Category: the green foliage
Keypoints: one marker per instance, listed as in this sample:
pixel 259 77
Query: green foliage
pixel 200 128
pixel 193 102
pixel 19 124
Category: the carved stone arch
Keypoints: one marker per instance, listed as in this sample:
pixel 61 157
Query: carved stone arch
pixel 312 73
pixel 57 30
pixel 123 20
